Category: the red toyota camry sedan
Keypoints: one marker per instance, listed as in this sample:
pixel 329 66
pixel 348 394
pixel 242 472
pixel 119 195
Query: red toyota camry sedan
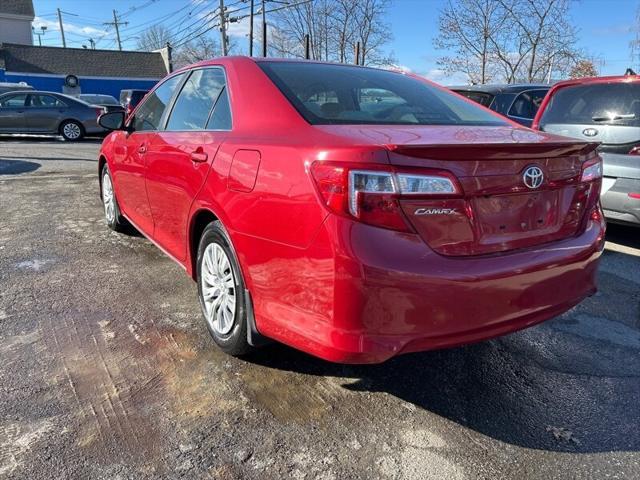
pixel 350 212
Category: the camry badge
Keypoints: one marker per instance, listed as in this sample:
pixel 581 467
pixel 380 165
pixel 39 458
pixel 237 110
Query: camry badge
pixel 590 132
pixel 435 211
pixel 533 177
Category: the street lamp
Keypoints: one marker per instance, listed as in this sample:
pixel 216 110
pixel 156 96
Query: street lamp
pixel 43 29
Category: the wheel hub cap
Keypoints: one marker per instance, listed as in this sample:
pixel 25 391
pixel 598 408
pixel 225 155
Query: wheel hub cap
pixel 107 199
pixel 218 289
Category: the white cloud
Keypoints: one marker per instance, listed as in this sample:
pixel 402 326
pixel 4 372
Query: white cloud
pixel 85 31
pixel 438 75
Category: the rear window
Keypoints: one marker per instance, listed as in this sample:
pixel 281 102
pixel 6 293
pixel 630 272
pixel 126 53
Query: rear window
pixel 482 98
pixel 597 104
pixel 526 105
pixel 339 94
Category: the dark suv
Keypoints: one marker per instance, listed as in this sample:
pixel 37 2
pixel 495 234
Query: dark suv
pixel 605 110
pixel 519 102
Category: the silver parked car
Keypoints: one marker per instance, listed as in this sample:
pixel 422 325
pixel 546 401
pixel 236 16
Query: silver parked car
pixel 605 110
pixel 48 113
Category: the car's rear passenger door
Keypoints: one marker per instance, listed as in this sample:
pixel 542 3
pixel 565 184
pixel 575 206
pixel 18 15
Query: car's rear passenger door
pixel 180 156
pixel 12 109
pixel 44 112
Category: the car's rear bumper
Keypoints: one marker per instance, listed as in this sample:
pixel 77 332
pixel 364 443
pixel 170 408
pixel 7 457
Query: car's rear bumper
pixel 621 207
pixel 391 294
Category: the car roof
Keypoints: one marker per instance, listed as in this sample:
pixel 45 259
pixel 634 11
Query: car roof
pixel 592 80
pixel 497 88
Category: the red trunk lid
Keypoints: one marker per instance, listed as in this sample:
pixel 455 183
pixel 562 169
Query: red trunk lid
pixel 497 211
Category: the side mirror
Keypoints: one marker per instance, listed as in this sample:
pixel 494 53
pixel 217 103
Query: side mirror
pixel 112 120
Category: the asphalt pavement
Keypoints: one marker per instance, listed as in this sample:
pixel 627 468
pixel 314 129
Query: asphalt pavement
pixel 107 370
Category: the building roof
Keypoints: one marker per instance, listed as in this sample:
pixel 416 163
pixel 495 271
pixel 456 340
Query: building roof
pixel 17 7
pixel 81 62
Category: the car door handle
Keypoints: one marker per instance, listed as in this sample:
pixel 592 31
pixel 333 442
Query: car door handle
pixel 199 157
pixel 142 149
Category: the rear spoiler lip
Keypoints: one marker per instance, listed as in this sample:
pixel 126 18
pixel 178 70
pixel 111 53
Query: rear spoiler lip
pixel 494 151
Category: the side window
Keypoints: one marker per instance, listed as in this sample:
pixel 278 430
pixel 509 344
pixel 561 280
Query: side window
pixel 14 101
pixel 527 103
pixel 149 114
pixel 197 97
pixel 221 115
pixel 44 101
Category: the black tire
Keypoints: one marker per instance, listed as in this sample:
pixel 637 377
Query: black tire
pixel 117 222
pixel 235 341
pixel 69 126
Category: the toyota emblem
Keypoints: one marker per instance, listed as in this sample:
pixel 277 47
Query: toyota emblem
pixel 533 177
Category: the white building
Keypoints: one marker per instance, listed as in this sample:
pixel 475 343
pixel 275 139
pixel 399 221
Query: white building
pixel 15 21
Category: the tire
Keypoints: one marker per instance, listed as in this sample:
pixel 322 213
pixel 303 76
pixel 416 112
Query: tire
pixel 71 131
pixel 216 262
pixel 112 215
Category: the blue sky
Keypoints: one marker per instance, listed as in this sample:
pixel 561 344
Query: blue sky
pixel 605 27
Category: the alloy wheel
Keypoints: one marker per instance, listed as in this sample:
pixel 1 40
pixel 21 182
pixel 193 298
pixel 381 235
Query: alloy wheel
pixel 108 199
pixel 71 131
pixel 218 289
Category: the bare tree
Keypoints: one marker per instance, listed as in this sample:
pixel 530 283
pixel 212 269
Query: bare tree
pixel 154 38
pixel 547 33
pixel 510 40
pixel 334 27
pixel 470 28
pixel 583 68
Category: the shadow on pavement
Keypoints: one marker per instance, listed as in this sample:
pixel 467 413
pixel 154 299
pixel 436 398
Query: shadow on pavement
pixel 15 167
pixel 541 389
pixel 626 235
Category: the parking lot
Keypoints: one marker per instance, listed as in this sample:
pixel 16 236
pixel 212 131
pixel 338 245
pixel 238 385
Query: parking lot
pixel 108 371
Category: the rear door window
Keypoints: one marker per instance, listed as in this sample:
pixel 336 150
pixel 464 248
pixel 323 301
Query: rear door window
pixel 40 101
pixel 196 99
pixel 14 101
pixel 221 116
pixel 526 104
pixel 596 104
pixel 151 111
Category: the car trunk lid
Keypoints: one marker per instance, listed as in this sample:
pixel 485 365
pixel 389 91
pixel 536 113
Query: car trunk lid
pixel 498 211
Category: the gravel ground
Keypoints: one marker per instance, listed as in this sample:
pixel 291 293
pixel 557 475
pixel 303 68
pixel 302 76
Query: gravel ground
pixel 108 372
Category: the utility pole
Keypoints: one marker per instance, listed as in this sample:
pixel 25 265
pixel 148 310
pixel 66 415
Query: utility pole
pixel 251 31
pixel 264 30
pixel 116 23
pixel 307 46
pixel 64 42
pixel 223 28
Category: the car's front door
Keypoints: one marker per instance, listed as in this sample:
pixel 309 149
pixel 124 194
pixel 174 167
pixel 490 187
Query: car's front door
pixel 44 113
pixel 12 113
pixel 179 158
pixel 129 165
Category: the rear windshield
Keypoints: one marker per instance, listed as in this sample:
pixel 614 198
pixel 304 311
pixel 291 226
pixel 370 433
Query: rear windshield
pixel 340 94
pixel 482 98
pixel 597 104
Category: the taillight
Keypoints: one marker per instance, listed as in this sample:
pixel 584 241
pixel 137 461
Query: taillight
pixel 100 111
pixel 635 150
pixel 372 195
pixel 592 170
